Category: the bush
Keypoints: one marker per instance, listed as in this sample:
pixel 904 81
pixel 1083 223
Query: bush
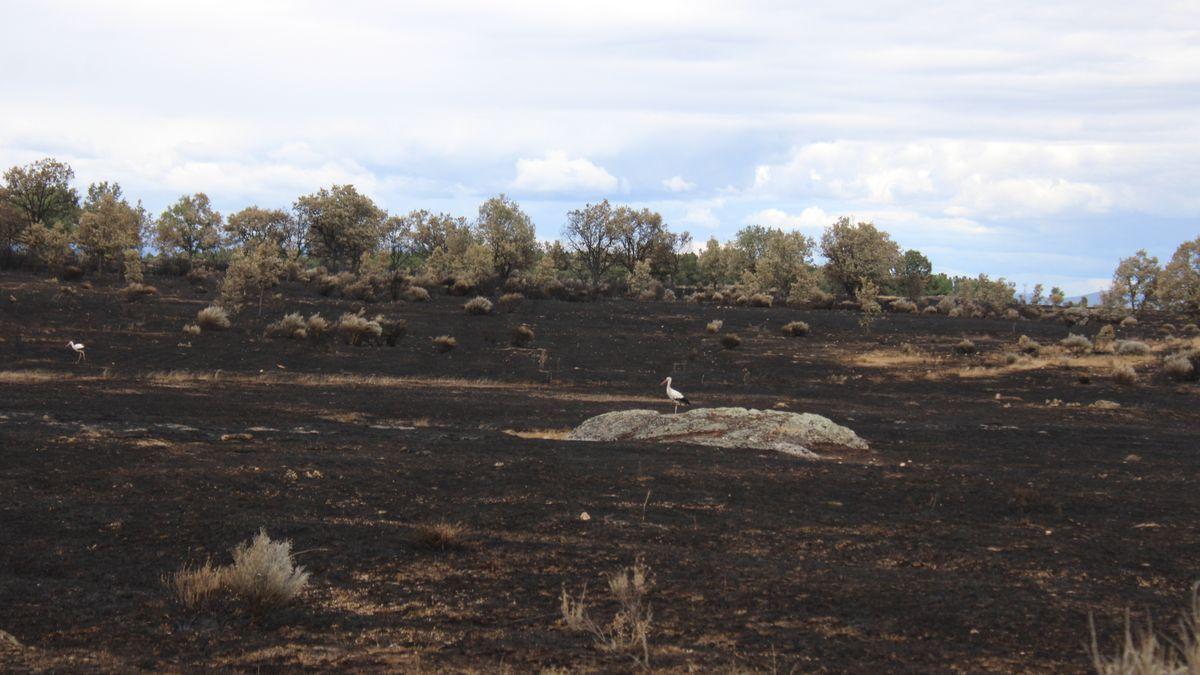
pixel 930 311
pixel 291 326
pixel 1132 348
pixel 510 301
pixel 213 318
pixel 905 306
pixel 191 329
pixel 1011 358
pixel 478 306
pixel 760 300
pixel 1128 322
pixel 1011 314
pixel 317 326
pixel 1191 329
pixel 415 294
pixel 955 312
pixel 192 587
pixel 1028 346
pixel 444 343
pixel 263 573
pixel 1076 344
pixel 1167 329
pixel 393 330
pixel 668 295
pixel 521 335
pixel 1123 373
pixel 714 326
pixel 730 341
pixel 795 328
pixel 71 273
pixel 354 327
pixel 135 291
pixel 946 304
pixel 1179 367
pixel 965 346
pixel 439 536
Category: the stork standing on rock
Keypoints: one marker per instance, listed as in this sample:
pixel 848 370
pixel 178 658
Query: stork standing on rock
pixel 676 397
pixel 78 347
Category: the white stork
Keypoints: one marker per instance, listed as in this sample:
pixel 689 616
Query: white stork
pixel 676 397
pixel 78 347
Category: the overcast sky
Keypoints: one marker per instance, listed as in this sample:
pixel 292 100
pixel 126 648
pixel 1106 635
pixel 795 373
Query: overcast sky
pixel 1040 141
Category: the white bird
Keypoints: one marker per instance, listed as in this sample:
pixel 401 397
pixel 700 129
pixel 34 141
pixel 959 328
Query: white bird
pixel 78 347
pixel 676 397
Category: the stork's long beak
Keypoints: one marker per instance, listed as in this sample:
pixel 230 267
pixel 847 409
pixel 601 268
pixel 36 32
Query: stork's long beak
pixel 662 383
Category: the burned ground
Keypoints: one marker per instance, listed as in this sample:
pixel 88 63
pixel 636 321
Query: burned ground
pixel 997 509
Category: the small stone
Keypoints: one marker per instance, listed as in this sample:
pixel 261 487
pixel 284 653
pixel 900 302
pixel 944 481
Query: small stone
pixel 584 516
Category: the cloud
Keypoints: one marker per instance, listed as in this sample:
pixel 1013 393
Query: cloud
pixel 555 172
pixel 811 219
pixel 700 216
pixel 677 184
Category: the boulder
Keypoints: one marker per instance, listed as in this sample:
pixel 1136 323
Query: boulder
pixel 790 433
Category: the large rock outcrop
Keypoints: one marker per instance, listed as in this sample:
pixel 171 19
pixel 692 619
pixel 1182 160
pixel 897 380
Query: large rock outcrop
pixel 791 433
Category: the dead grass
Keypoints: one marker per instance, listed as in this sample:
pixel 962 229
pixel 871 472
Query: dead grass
pixel 264 574
pixel 213 318
pixel 1132 348
pixel 193 587
pixel 521 335
pixel 714 326
pixel 192 329
pixel 510 301
pixel 1146 654
pixel 542 434
pixel 135 291
pixel 478 306
pixel 415 294
pixel 965 347
pixel 629 630
pixel 355 327
pixel 1123 373
pixel 444 343
pixel 440 536
pixel 795 328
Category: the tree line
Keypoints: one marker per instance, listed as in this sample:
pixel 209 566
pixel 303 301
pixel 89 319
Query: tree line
pixel 46 224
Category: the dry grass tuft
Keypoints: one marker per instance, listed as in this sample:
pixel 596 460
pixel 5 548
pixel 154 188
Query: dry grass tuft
pixel 730 341
pixel 1124 373
pixel 795 328
pixel 1146 654
pixel 478 306
pixel 714 326
pixel 521 335
pixel 263 573
pixel 316 325
pixel 1191 330
pixel 193 587
pixel 354 327
pixel 135 291
pixel 1028 346
pixel 1132 348
pixel 1076 344
pixel 415 294
pixel 444 343
pixel 965 346
pixel 213 318
pixel 1179 367
pixel 192 329
pixel 440 536
pixel 510 301
pixel 761 300
pixel 629 630
pixel 1128 321
pixel 291 326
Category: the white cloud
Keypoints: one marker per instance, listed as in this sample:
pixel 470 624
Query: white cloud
pixel 556 172
pixel 811 219
pixel 700 216
pixel 677 184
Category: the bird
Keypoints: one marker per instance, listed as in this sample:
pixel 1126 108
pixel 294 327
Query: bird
pixel 675 396
pixel 78 347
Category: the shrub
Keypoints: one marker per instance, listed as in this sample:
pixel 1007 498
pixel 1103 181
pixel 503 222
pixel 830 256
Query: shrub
pixel 1011 314
pixel 1123 373
pixel 1128 322
pixel 521 335
pixel 291 326
pixel 1191 329
pixel 135 291
pixel 71 273
pixel 264 574
pixel 317 326
pixel 1076 344
pixel 415 294
pixel 444 343
pixel 718 297
pixel 761 300
pixel 955 312
pixel 1028 346
pixel 1179 367
pixel 393 330
pixel 213 318
pixel 929 311
pixel 478 306
pixel 1011 358
pixel 965 346
pixel 946 304
pixel 668 295
pixel 191 329
pixel 905 306
pixel 510 301
pixel 439 536
pixel 730 341
pixel 795 328
pixel 1167 329
pixel 354 327
pixel 192 587
pixel 1132 348
pixel 714 326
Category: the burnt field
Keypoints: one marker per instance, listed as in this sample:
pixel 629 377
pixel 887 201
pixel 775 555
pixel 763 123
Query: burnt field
pixel 998 507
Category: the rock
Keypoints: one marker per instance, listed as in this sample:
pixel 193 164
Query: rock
pixel 786 432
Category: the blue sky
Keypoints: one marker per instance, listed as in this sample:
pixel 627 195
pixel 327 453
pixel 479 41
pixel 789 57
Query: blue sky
pixel 1037 141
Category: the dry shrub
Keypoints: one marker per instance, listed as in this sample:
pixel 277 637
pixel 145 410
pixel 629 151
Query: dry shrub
pixel 904 306
pixel 795 328
pixel 135 291
pixel 264 574
pixel 718 297
pixel 668 296
pixel 478 306
pixel 954 312
pixel 629 630
pixel 510 301
pixel 1146 654
pixel 1179 367
pixel 1076 344
pixel 440 536
pixel 192 329
pixel 444 343
pixel 1191 329
pixel 192 587
pixel 1128 321
pixel 929 311
pixel 354 327
pixel 1028 346
pixel 461 287
pixel 946 304
pixel 1011 314
pixel 965 346
pixel 760 300
pixel 1167 329
pixel 71 273
pixel 730 341
pixel 415 294
pixel 1123 373
pixel 714 326
pixel 317 326
pixel 393 329
pixel 521 335
pixel 291 326
pixel 1011 358
pixel 1132 348
pixel 213 318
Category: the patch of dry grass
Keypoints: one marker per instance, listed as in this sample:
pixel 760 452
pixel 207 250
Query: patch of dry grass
pixel 629 630
pixel 478 306
pixel 795 328
pixel 192 587
pixel 444 343
pixel 543 434
pixel 213 318
pixel 521 335
pixel 440 536
pixel 1146 654
pixel 714 326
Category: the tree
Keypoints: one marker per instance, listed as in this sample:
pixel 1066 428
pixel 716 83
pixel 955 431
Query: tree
pixel 253 269
pixel 641 237
pixel 109 225
pixel 590 234
pixel 717 262
pixel 750 243
pixel 857 252
pixel 189 227
pixel 254 225
pixel 784 259
pixel 41 192
pixel 913 273
pixel 1136 280
pixel 1057 296
pixel 1037 297
pixel 509 232
pixel 50 246
pixel 1179 283
pixel 340 225
pixel 419 233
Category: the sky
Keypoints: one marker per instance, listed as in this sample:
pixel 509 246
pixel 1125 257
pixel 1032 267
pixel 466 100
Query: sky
pixel 1039 141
